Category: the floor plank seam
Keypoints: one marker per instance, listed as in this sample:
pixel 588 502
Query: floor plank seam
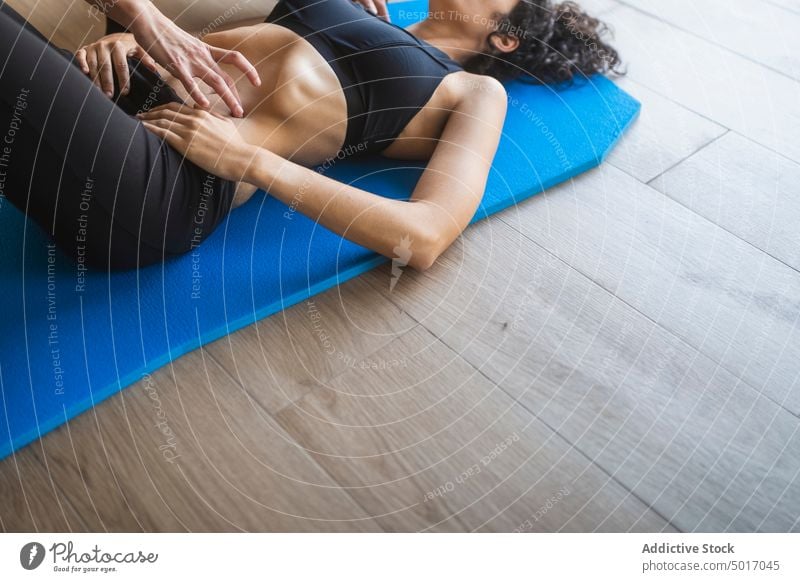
pixel 714 121
pixel 651 182
pixel 684 341
pixel 770 149
pixel 711 41
pixel 747 242
pixel 572 445
pixel 678 163
pixel 685 107
pixel 531 412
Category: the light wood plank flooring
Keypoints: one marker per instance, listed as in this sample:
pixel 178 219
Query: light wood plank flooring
pixel 621 353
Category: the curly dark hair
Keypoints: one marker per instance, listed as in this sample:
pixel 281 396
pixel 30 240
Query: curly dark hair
pixel 557 43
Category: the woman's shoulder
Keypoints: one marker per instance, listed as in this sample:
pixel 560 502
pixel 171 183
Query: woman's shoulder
pixel 470 87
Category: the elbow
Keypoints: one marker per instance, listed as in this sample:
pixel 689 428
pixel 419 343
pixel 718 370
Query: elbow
pixel 426 235
pixel 425 249
pixel 423 261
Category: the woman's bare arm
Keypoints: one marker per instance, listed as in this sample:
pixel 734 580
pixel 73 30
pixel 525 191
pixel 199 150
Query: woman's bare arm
pixel 442 204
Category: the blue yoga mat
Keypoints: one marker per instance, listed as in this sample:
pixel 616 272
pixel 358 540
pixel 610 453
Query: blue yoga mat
pixel 70 339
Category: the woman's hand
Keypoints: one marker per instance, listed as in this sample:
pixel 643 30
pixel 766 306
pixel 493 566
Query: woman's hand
pixel 101 59
pixel 207 139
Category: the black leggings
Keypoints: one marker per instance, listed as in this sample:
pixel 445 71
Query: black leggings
pixel 110 194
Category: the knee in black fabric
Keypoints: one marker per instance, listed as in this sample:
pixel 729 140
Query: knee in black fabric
pixel 85 232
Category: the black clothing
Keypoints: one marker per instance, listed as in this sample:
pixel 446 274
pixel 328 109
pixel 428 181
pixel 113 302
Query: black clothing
pixel 110 193
pixel 387 74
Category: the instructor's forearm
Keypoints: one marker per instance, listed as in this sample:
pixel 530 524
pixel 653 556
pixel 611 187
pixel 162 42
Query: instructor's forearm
pixel 126 12
pixel 377 223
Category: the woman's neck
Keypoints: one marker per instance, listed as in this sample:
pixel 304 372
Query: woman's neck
pixel 461 28
pixel 449 38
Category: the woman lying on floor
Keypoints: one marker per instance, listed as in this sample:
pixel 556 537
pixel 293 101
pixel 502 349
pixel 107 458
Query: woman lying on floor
pixel 111 173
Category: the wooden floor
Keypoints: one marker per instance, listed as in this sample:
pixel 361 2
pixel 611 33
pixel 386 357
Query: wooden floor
pixel 621 353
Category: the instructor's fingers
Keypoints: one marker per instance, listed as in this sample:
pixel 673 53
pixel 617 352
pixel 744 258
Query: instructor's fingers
pixel 145 59
pixel 218 85
pixel 231 85
pixel 80 58
pixel 383 9
pixel 238 60
pixel 120 59
pixel 221 88
pixel 186 79
pixel 106 75
pixel 91 63
pixel 370 5
pixel 211 112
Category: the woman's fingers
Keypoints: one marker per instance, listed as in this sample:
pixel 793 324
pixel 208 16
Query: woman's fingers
pixel 173 113
pixel 168 117
pixel 161 123
pixel 153 127
pixel 171 106
pixel 171 109
pixel 164 133
pixel 119 56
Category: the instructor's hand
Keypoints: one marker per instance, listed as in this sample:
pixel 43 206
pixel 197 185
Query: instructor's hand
pixel 376 7
pixel 189 58
pixel 109 55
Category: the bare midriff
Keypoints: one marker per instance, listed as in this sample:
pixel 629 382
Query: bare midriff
pixel 299 112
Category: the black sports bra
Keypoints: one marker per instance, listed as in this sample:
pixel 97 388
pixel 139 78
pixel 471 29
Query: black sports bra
pixel 387 74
